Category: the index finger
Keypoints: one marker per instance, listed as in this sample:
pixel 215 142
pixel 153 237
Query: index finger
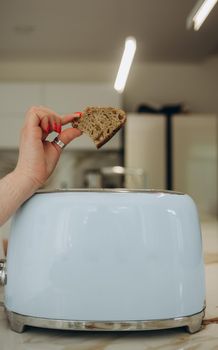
pixel 67 118
pixel 35 114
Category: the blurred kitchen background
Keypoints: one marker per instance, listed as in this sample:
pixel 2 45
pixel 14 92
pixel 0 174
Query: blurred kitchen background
pixel 65 55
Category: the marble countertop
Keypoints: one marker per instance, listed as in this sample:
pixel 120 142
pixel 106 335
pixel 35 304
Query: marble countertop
pixel 174 339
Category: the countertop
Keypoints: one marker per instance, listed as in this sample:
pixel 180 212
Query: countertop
pixel 174 339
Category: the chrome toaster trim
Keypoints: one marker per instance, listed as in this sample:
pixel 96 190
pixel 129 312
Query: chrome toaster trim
pixel 17 322
pixel 108 190
pixel 3 273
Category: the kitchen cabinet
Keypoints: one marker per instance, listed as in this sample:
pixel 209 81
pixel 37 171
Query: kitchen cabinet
pixel 145 148
pixel 18 97
pixel 15 99
pixel 11 125
pixel 195 159
pixel 194 153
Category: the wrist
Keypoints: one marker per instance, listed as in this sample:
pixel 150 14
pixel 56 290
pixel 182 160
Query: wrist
pixel 15 189
pixel 24 183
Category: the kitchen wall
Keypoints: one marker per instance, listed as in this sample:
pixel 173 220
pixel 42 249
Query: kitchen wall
pixel 196 85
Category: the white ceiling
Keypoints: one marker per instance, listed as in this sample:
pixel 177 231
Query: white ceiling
pixel 95 30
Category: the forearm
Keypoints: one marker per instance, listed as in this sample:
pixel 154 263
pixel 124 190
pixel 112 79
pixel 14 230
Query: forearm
pixel 14 191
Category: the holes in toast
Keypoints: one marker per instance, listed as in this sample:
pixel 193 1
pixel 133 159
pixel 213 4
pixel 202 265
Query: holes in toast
pixel 101 123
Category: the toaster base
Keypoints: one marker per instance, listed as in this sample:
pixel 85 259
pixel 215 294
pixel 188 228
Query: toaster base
pixel 193 323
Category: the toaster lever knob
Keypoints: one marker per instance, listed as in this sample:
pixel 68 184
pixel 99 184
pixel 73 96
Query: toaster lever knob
pixel 3 274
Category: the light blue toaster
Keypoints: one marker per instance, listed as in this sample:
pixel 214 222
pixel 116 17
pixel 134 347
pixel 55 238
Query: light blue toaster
pixel 105 260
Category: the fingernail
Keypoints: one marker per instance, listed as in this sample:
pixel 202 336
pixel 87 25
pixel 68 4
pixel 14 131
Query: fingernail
pixel 78 113
pixel 59 129
pixel 48 129
pixel 55 127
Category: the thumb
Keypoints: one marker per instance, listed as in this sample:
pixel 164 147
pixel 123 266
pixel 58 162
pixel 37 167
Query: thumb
pixel 68 135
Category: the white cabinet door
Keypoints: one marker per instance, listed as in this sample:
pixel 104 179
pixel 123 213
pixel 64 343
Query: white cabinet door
pixel 145 148
pixel 10 129
pixel 15 99
pixel 18 97
pixel 195 162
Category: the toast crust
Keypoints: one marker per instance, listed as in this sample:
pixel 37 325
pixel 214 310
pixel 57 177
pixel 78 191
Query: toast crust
pixel 101 143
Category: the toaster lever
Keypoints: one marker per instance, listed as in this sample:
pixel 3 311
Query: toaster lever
pixel 3 274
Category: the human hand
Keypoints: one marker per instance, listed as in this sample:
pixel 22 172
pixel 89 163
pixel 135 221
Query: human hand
pixel 38 157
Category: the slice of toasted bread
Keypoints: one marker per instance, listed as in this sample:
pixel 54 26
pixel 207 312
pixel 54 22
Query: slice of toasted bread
pixel 100 123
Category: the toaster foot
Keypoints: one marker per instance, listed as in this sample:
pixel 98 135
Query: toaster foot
pixel 195 323
pixel 16 324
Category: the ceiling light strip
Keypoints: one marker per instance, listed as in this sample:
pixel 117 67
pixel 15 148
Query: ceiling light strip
pixel 200 13
pixel 125 64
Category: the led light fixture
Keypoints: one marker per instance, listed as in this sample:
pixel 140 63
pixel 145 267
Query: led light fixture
pixel 200 13
pixel 125 64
